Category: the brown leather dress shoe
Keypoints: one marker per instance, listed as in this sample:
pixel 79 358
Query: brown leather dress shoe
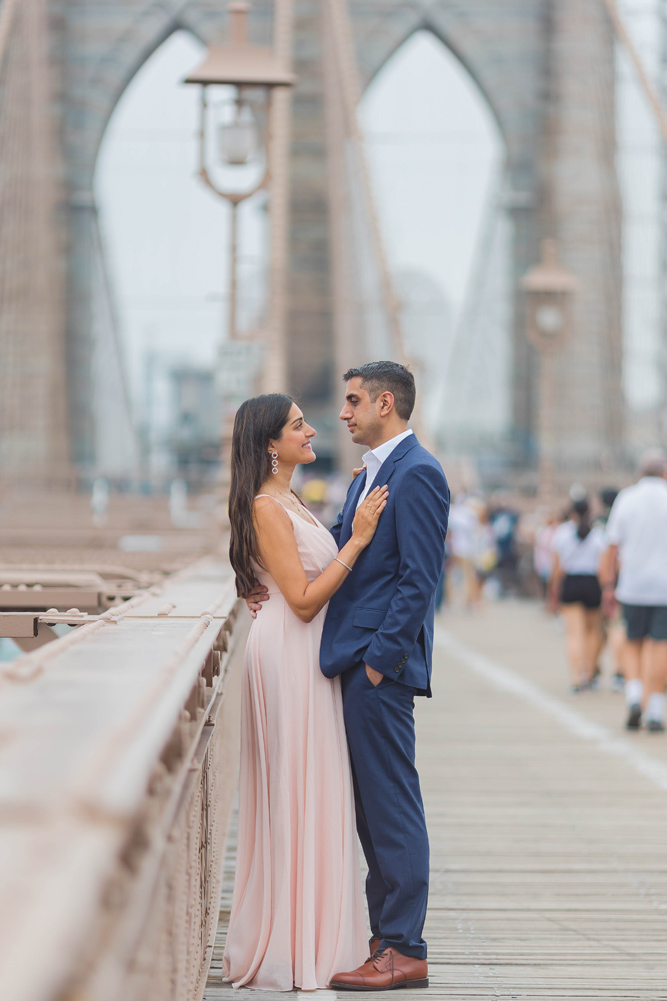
pixel 386 970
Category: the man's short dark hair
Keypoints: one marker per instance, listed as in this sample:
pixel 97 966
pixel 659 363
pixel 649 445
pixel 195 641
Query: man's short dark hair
pixel 387 376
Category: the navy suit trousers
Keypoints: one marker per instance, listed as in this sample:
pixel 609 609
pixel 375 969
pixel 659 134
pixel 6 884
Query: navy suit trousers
pixel 390 813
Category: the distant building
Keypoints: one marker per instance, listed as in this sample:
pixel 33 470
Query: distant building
pixel 193 436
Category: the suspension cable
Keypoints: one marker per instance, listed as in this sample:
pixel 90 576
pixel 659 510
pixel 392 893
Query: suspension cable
pixel 650 91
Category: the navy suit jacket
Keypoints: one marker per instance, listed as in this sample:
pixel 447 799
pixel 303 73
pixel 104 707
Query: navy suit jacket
pixel 383 613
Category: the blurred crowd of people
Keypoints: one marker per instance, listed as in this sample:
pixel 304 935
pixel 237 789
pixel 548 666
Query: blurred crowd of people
pixel 603 568
pixel 482 556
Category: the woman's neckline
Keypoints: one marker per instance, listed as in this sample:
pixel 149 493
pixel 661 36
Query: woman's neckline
pixel 309 520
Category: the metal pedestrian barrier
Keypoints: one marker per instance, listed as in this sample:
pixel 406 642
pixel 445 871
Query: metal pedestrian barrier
pixel 118 766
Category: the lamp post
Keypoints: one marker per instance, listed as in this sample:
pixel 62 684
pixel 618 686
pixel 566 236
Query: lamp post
pixel 254 72
pixel 242 127
pixel 549 290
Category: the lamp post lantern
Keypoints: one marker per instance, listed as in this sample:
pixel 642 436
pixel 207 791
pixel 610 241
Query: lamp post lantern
pixel 549 290
pixel 254 71
pixel 242 133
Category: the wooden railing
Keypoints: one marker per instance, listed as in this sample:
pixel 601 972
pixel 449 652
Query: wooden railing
pixel 118 763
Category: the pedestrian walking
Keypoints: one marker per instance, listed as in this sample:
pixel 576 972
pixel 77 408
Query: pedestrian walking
pixel 578 546
pixel 485 552
pixel 543 551
pixel 505 522
pixel 637 540
pixel 613 626
pixel 463 524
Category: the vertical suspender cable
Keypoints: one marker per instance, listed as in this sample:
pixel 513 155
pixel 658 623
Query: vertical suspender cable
pixel 652 94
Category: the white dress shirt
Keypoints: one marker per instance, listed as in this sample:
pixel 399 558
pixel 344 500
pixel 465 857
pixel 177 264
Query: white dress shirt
pixel 374 459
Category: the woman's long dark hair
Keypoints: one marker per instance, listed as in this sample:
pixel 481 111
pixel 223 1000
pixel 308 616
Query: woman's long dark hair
pixel 581 511
pixel 258 421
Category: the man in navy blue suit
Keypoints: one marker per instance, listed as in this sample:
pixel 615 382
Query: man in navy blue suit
pixel 378 635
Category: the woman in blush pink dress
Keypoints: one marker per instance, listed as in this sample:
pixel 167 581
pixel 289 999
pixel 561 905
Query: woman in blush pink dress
pixel 297 913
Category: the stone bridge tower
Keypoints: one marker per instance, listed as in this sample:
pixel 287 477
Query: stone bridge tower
pixel 546 68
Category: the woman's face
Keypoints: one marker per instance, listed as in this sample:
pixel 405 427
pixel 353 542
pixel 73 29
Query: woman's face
pixel 294 445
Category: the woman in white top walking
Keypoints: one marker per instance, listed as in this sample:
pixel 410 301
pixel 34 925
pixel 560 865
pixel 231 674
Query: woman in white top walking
pixel 578 546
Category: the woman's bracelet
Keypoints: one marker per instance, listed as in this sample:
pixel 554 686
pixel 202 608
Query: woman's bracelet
pixel 343 564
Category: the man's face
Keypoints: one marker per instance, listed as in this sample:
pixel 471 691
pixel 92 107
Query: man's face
pixel 361 415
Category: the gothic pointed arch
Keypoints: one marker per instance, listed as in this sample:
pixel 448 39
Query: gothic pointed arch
pixel 426 25
pixel 487 46
pixel 106 81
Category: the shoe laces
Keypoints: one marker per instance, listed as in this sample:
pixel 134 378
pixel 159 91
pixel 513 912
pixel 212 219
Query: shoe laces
pixel 378 955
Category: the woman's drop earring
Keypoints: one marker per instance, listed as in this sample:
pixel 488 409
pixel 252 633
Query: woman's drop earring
pixel 274 463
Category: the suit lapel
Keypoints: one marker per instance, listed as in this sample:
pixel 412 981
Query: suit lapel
pixel 351 506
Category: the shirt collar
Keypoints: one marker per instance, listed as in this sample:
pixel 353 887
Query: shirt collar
pixel 384 450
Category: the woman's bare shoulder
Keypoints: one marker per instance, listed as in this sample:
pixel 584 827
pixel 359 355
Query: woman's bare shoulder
pixel 269 512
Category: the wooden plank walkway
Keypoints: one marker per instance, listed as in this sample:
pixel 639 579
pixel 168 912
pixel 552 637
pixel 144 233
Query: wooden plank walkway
pixel 548 825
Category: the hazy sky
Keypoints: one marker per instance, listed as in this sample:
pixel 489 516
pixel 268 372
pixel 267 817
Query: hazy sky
pixel 433 152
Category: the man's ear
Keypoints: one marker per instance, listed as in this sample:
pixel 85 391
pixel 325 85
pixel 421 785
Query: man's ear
pixel 386 403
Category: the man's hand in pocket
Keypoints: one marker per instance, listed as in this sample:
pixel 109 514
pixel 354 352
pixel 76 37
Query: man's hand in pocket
pixel 375 677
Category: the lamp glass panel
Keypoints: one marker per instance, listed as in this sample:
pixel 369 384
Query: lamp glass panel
pixel 237 142
pixel 549 319
pixel 238 136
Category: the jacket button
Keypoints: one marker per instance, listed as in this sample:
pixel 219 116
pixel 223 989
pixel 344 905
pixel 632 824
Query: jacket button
pixel 397 670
